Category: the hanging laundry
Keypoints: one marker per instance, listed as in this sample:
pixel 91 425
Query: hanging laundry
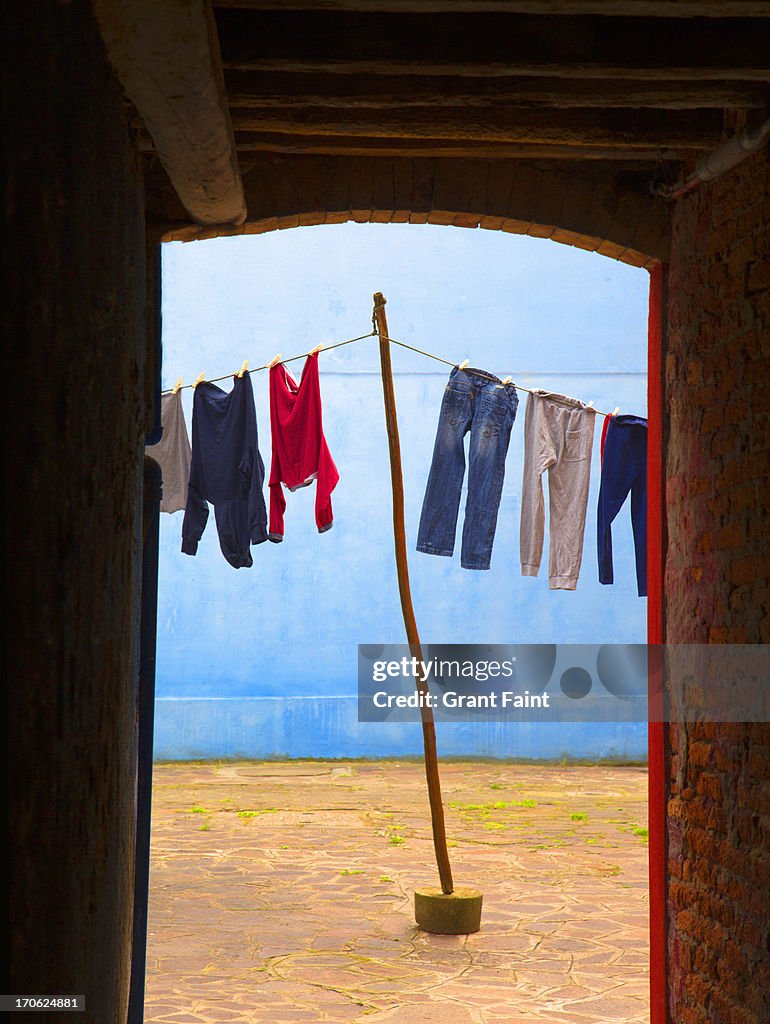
pixel 558 437
pixel 172 453
pixel 300 452
pixel 624 469
pixel 477 402
pixel 226 470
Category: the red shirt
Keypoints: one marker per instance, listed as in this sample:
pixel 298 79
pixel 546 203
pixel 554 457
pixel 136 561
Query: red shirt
pixel 300 452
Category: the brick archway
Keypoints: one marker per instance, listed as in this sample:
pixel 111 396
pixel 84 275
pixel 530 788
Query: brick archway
pixel 599 210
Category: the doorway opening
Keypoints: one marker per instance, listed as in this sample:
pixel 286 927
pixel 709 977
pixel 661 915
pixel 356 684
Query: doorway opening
pixel 256 668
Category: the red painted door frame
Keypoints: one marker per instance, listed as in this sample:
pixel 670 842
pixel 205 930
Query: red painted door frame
pixel 655 636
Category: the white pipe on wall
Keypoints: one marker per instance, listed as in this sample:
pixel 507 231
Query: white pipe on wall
pixel 718 161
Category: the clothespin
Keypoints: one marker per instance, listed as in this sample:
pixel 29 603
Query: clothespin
pixel 274 360
pixel 314 351
pixel 590 404
pixel 463 364
pixel 244 368
pixel 507 381
pixel 198 380
pixel 616 410
pixel 177 386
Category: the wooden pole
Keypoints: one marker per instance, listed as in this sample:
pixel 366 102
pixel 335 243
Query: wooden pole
pixel 402 568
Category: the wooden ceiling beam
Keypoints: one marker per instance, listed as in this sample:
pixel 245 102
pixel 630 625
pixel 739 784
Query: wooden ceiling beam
pixel 259 89
pixel 338 145
pixel 166 57
pixel 611 8
pixel 504 46
pixel 629 129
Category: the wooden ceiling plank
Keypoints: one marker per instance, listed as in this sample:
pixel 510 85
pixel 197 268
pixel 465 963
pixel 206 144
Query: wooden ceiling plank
pixel 716 72
pixel 276 142
pixel 166 57
pixel 608 8
pixel 629 129
pixel 503 46
pixel 258 89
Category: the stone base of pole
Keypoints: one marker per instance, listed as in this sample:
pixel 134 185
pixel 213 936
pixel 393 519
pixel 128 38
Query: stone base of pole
pixel 458 913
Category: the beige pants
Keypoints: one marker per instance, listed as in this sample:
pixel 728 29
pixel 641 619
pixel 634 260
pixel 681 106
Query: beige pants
pixel 558 437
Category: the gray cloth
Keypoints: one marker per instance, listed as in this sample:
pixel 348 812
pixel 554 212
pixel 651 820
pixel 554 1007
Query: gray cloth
pixel 558 437
pixel 172 453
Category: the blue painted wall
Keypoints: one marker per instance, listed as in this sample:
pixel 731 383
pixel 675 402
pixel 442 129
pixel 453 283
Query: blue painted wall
pixel 261 662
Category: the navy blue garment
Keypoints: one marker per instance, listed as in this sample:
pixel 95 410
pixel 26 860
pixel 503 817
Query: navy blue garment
pixel 226 470
pixel 624 469
pixel 478 402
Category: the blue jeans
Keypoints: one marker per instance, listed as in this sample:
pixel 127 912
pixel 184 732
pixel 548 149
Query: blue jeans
pixel 473 401
pixel 624 469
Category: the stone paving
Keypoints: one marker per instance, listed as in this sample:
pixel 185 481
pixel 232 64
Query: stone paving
pixel 282 892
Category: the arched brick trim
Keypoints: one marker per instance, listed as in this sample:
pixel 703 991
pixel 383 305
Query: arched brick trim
pixel 589 208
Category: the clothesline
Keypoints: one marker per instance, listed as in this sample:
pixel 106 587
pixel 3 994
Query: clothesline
pixel 481 373
pixel 362 337
pixel 256 369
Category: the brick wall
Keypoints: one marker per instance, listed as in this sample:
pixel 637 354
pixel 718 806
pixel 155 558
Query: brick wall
pixel 717 571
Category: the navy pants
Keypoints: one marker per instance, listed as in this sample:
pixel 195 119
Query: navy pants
pixel 624 469
pixel 480 404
